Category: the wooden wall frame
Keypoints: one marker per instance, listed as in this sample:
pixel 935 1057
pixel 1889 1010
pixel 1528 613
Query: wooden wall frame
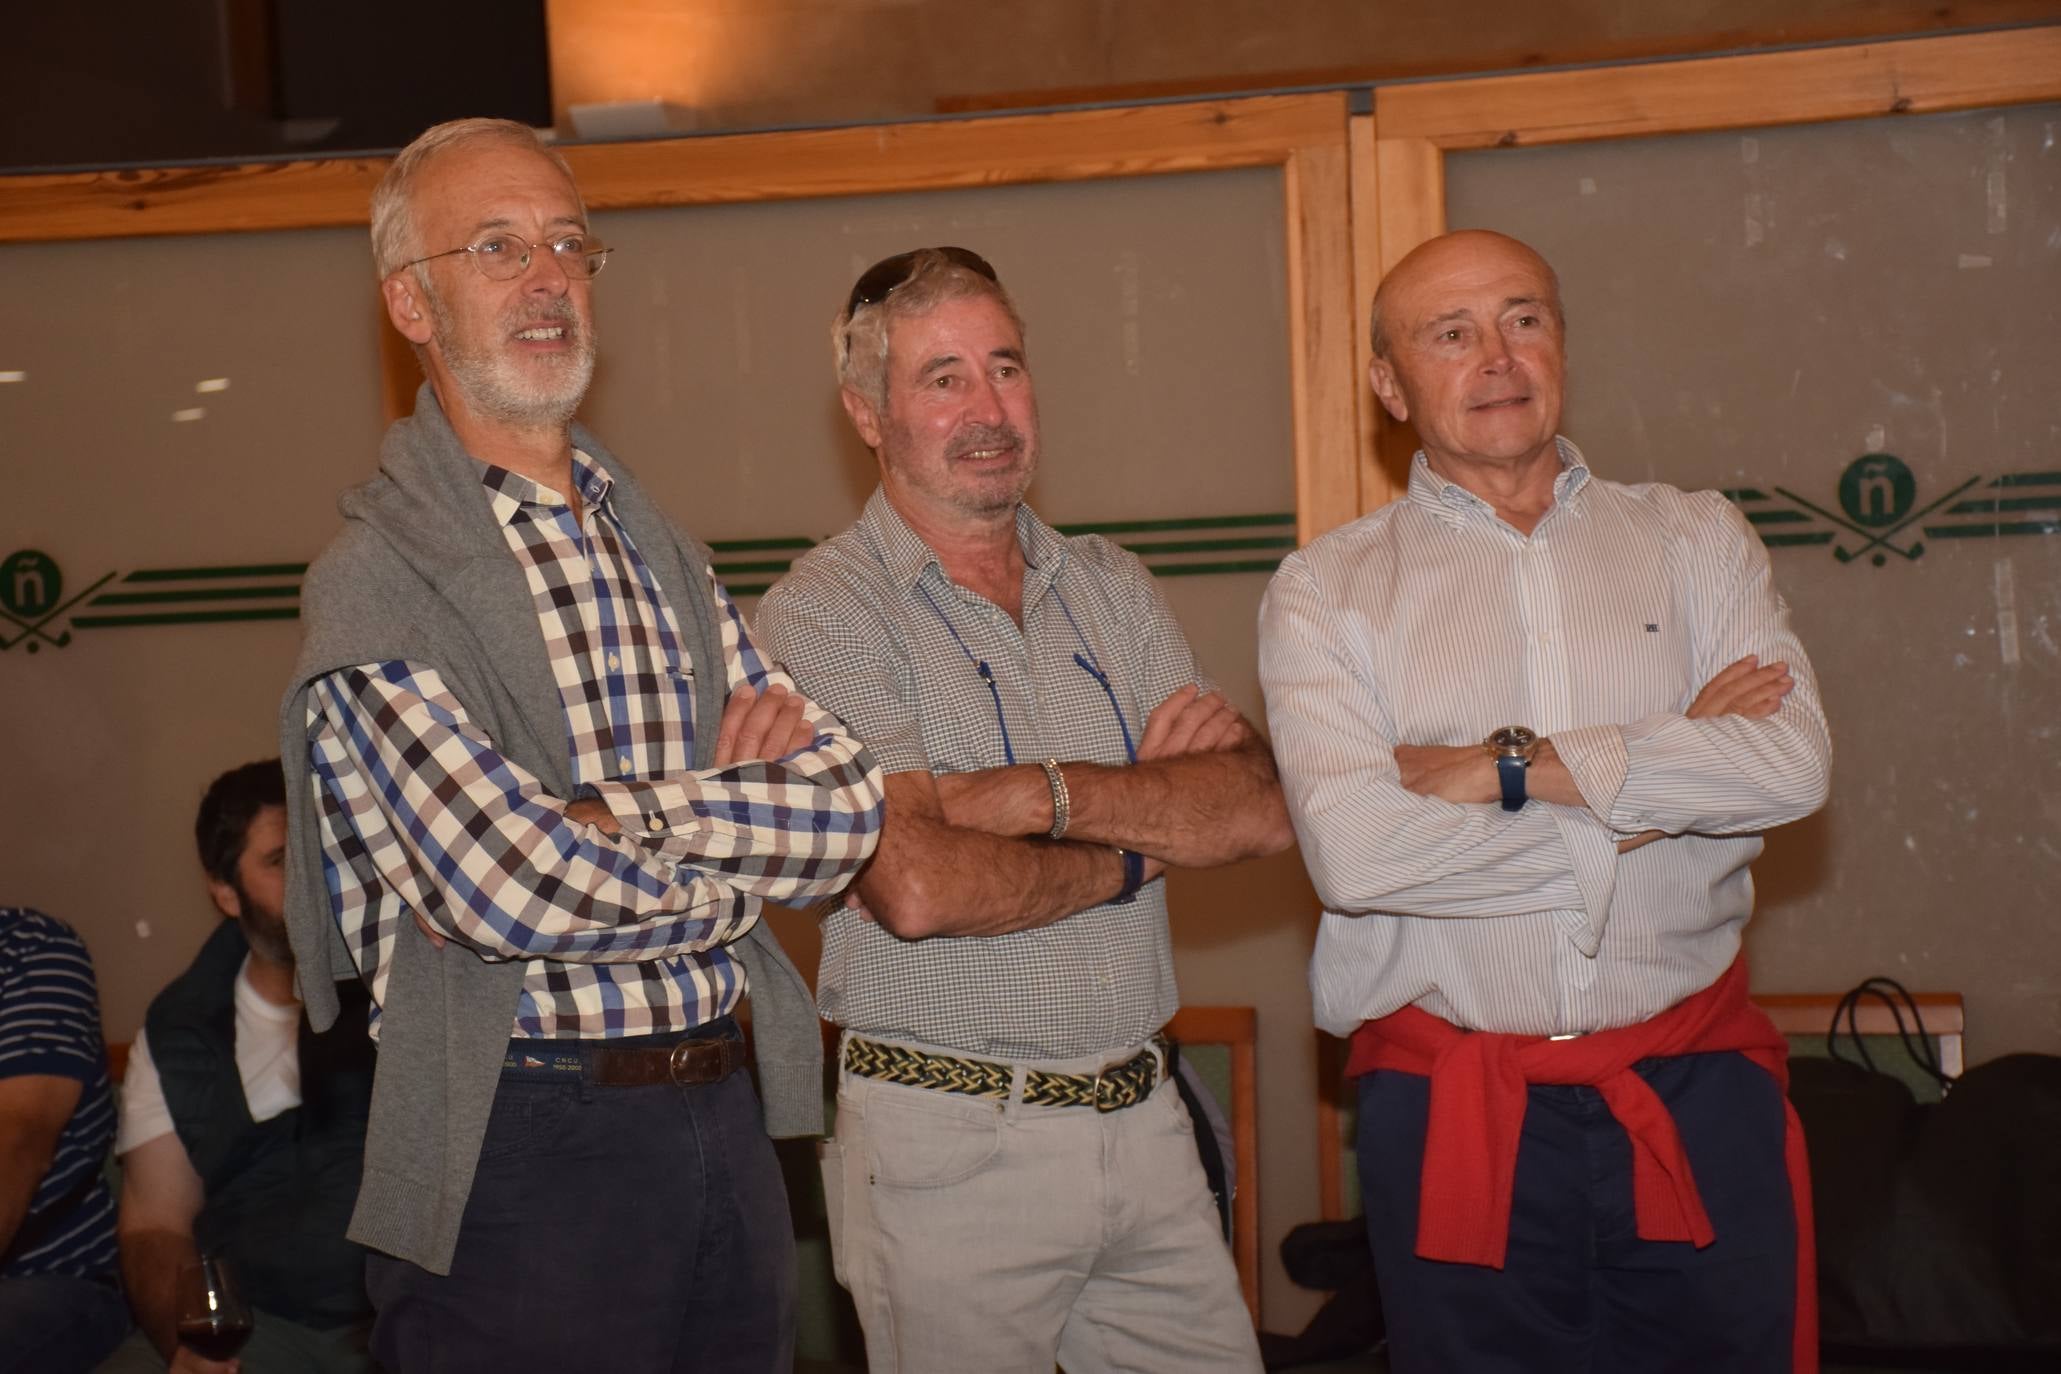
pixel 1303 135
pixel 1399 150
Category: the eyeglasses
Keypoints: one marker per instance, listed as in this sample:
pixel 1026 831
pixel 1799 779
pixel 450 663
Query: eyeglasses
pixel 889 275
pixel 504 257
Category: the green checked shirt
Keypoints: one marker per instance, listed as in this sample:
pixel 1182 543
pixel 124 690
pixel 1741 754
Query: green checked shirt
pixel 869 626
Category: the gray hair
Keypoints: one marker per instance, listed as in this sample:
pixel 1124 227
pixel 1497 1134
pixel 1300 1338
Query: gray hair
pixel 394 240
pixel 859 339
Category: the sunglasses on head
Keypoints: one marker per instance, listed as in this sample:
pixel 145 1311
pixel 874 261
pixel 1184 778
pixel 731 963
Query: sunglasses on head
pixel 885 277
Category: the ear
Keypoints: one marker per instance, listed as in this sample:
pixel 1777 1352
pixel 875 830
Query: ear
pixel 864 417
pixel 1388 389
pixel 405 308
pixel 226 900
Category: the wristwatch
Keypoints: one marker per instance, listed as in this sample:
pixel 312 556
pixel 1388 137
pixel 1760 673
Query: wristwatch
pixel 1512 748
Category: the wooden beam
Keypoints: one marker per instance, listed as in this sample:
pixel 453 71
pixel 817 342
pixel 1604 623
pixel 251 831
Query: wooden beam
pixel 1914 76
pixel 1377 484
pixel 1076 146
pixel 230 198
pixel 1321 309
pixel 1411 173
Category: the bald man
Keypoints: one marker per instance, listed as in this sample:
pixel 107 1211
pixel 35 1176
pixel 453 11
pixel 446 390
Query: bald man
pixel 1530 723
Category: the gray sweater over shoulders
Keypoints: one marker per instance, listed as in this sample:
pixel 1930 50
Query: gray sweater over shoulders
pixel 421 572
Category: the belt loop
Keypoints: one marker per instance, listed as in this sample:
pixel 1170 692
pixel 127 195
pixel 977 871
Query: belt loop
pixel 1012 1109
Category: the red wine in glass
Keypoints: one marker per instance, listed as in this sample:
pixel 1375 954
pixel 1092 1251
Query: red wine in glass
pixel 215 1342
pixel 213 1318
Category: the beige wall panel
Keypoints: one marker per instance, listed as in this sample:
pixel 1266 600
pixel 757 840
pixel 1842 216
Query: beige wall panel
pixel 1757 311
pixel 114 459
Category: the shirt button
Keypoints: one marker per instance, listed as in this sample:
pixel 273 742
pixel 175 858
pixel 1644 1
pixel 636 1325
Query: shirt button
pixel 593 491
pixel 614 662
pixel 622 761
pixel 657 822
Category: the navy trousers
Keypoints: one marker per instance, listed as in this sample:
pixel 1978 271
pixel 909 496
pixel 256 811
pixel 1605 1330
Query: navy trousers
pixel 634 1229
pixel 1580 1292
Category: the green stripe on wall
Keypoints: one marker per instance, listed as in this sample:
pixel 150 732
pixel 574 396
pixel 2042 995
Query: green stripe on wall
pixel 1210 545
pixel 1257 565
pixel 250 570
pixel 1200 522
pixel 1787 541
pixel 755 545
pixel 1985 531
pixel 109 622
pixel 198 594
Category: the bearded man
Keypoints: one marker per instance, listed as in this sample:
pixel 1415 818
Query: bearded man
pixel 242 1130
pixel 540 781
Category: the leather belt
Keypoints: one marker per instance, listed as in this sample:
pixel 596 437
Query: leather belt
pixel 1114 1088
pixel 685 1062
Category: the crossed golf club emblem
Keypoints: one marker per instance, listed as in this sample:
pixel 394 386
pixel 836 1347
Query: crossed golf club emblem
pixel 34 630
pixel 1879 538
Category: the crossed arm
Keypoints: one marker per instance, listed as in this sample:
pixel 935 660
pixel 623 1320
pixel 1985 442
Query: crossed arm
pixel 1464 773
pixel 964 853
pixel 483 853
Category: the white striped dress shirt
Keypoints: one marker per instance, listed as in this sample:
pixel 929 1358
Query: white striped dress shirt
pixel 1432 621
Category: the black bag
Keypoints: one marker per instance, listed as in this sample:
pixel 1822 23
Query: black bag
pixel 1938 1225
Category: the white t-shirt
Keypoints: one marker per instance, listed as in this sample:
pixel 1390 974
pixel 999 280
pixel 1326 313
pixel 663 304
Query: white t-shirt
pixel 267 1060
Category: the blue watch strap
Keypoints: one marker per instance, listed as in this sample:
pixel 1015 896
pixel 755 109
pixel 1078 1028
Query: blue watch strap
pixel 1510 772
pixel 1134 877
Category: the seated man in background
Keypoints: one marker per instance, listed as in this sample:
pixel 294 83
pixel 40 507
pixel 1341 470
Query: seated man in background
pixel 60 1309
pixel 243 1131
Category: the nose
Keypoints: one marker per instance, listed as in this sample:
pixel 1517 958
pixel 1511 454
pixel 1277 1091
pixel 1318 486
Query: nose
pixel 984 403
pixel 545 274
pixel 1495 351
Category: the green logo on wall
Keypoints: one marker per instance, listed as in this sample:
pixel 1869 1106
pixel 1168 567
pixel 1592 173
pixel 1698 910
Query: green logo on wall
pixel 30 585
pixel 1877 489
pixel 1878 503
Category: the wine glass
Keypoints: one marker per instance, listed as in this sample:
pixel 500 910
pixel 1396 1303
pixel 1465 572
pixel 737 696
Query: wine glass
pixel 213 1318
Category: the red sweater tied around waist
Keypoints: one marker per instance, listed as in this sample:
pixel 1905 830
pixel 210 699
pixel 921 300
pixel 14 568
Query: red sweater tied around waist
pixel 1478 1093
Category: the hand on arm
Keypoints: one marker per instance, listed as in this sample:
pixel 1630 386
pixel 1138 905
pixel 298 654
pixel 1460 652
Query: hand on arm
pixel 931 877
pixel 33 1111
pixel 1370 843
pixel 1742 688
pixel 790 807
pixel 516 878
pixel 1203 792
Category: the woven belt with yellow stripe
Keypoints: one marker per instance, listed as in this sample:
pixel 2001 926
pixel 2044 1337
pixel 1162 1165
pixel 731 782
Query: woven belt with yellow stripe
pixel 1118 1086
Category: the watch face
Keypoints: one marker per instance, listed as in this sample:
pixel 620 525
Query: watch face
pixel 1513 740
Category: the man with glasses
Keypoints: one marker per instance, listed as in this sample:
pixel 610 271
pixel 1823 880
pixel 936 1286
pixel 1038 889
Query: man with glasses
pixel 540 782
pixel 1013 1180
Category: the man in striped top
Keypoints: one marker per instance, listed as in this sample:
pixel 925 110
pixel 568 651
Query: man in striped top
pixel 1530 723
pixel 540 784
pixel 61 1310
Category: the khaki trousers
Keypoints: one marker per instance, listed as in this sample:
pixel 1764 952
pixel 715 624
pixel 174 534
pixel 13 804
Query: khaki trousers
pixel 989 1236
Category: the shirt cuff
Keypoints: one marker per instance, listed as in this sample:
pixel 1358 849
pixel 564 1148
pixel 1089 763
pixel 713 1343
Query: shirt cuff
pixel 1597 758
pixel 651 812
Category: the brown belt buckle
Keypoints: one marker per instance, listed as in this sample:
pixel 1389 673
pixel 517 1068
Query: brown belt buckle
pixel 677 1063
pixel 1104 1091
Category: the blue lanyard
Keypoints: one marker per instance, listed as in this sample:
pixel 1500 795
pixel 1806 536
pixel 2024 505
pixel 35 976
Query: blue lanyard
pixel 1085 660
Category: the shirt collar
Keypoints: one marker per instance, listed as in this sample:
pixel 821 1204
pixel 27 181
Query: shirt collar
pixel 510 492
pixel 908 558
pixel 1451 502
